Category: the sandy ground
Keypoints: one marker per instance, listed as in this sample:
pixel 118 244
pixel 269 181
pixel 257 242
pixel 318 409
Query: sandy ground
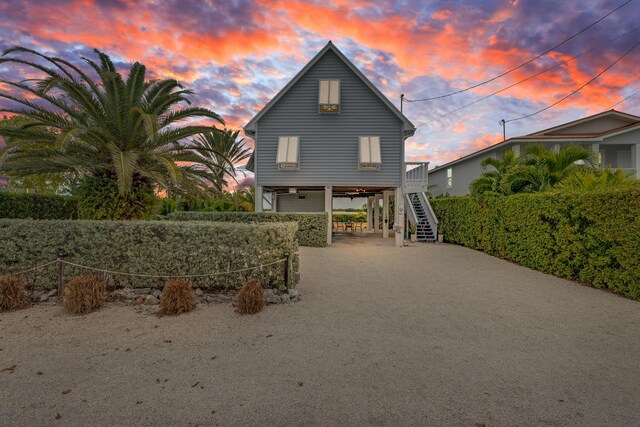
pixel 421 335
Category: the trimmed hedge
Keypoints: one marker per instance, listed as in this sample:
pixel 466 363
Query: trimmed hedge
pixel 37 206
pixel 590 237
pixel 151 247
pixel 312 226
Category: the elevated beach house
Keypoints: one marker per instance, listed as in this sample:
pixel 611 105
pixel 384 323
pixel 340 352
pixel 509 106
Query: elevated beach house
pixel 331 133
pixel 613 136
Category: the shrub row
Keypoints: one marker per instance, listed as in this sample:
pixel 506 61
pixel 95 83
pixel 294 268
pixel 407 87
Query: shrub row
pixel 151 247
pixel 591 237
pixel 312 226
pixel 37 206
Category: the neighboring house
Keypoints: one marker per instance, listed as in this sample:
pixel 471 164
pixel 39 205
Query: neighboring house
pixel 331 133
pixel 613 135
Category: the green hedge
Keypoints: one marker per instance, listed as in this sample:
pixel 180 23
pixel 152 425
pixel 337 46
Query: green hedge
pixel 312 226
pixel 589 237
pixel 37 206
pixel 151 247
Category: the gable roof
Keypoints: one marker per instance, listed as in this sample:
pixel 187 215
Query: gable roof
pixel 409 128
pixel 625 117
pixel 546 135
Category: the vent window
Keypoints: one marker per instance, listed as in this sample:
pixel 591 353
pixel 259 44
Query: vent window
pixel 329 96
pixel 370 157
pixel 449 177
pixel 288 153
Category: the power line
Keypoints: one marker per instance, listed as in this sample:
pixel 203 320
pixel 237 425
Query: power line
pixel 523 64
pixel 623 99
pixel 525 79
pixel 580 88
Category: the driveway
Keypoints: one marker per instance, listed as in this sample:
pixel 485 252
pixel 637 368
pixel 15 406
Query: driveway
pixel 421 335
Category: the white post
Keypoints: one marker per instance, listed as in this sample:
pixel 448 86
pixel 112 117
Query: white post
pixel 635 159
pixel 376 213
pixel 273 201
pixel 596 154
pixel 516 150
pixel 556 148
pixel 258 201
pixel 328 208
pixel 385 215
pixel 369 212
pixel 399 214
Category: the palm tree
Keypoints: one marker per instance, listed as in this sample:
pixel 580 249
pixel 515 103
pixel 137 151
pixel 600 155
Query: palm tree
pixel 492 181
pixel 122 138
pixel 594 180
pixel 543 168
pixel 223 150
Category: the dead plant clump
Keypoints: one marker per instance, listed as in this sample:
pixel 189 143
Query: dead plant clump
pixel 176 297
pixel 250 299
pixel 12 293
pixel 84 294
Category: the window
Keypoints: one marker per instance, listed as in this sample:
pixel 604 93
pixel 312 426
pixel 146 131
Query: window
pixel 449 177
pixel 288 153
pixel 370 157
pixel 329 99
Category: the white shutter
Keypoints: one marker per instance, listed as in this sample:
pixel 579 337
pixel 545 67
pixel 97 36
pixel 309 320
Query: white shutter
pixel 324 91
pixel 283 145
pixel 374 141
pixel 334 92
pixel 292 152
pixel 365 153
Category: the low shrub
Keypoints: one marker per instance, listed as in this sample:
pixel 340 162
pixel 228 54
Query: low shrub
pixel 176 298
pixel 84 294
pixel 250 298
pixel 312 226
pixel 590 237
pixel 168 248
pixel 37 206
pixel 12 293
pixel 358 217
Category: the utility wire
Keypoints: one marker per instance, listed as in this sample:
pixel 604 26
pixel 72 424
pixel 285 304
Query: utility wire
pixel 527 79
pixel 623 99
pixel 579 89
pixel 524 63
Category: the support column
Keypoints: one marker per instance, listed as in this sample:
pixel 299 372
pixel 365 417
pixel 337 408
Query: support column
pixel 328 208
pixel 596 155
pixel 376 213
pixel 516 150
pixel 556 148
pixel 369 212
pixel 635 159
pixel 399 217
pixel 385 215
pixel 258 199
pixel 274 200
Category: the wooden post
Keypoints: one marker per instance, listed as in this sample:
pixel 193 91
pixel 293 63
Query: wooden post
pixel 286 270
pixel 385 214
pixel 328 208
pixel 61 255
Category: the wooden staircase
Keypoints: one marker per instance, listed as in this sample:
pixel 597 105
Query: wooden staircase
pixel 425 220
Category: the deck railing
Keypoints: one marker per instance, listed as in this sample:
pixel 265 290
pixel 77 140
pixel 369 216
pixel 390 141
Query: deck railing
pixel 416 177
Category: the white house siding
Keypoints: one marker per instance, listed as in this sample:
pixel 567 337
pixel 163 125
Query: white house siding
pixel 329 142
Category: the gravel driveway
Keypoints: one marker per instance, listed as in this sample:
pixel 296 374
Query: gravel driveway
pixel 421 335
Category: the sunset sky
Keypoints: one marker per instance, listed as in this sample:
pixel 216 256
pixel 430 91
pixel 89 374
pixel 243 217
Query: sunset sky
pixel 238 54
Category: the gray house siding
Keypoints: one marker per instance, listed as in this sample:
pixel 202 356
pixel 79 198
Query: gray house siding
pixel 306 201
pixel 329 142
pixel 463 174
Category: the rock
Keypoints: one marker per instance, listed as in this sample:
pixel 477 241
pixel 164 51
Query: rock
pixel 220 299
pixel 272 297
pixel 52 293
pixel 293 293
pixel 43 298
pixel 156 293
pixel 199 292
pixel 124 294
pixel 296 299
pixel 285 298
pixel 141 291
pixel 151 300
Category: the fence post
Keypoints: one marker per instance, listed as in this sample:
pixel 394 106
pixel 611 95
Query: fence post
pixel 286 270
pixel 61 255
